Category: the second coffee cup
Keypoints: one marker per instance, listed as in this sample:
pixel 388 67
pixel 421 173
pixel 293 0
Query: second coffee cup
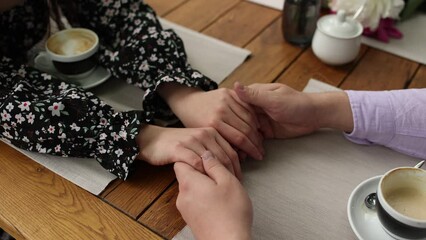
pixel 401 205
pixel 71 51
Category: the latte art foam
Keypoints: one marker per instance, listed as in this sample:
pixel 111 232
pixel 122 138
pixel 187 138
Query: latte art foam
pixel 71 44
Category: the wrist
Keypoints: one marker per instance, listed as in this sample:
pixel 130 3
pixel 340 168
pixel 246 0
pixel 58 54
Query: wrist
pixel 333 110
pixel 175 94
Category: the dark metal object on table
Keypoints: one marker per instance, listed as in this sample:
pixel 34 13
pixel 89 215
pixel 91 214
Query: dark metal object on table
pixel 299 20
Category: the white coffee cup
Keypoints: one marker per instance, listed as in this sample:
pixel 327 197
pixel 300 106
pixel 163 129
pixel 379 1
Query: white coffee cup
pixel 70 53
pixel 401 205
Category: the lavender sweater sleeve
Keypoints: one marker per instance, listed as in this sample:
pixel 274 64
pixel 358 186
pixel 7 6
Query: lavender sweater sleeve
pixel 395 119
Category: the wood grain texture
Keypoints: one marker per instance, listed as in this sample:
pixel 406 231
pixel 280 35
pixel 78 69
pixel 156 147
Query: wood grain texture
pixel 134 195
pixel 163 216
pixel 198 14
pixel 270 56
pixel 380 70
pixel 31 196
pixel 163 7
pixel 238 26
pixel 308 66
pixel 419 80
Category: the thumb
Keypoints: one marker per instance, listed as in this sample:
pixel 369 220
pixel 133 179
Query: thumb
pixel 185 174
pixel 214 168
pixel 254 94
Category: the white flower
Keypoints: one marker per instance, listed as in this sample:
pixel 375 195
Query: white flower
pixel 19 118
pixel 123 134
pixel 196 75
pixel 46 76
pixel 56 109
pixel 9 107
pixel 30 118
pixel 22 72
pixel 51 129
pixel 153 58
pixel 24 106
pixel 5 116
pixel 103 121
pixel 102 136
pixel 118 152
pixel 75 127
pixel 5 126
pixel 58 148
pixel 144 66
pixel 63 86
pixel 373 11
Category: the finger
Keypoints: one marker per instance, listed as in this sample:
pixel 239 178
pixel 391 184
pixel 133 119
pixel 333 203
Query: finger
pixel 256 94
pixel 235 137
pixel 266 126
pixel 249 110
pixel 238 122
pixel 190 157
pixel 232 155
pixel 214 168
pixel 213 146
pixel 187 176
pixel 242 132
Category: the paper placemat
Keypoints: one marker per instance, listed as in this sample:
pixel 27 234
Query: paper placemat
pixel 300 190
pixel 412 46
pixel 215 58
pixel 277 4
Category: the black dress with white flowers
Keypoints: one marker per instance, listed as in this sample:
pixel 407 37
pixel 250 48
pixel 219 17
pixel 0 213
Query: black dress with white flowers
pixel 40 113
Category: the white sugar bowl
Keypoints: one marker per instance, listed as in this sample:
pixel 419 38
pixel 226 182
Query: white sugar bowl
pixel 337 39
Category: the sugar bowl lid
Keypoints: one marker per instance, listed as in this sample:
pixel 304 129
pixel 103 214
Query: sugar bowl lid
pixel 339 26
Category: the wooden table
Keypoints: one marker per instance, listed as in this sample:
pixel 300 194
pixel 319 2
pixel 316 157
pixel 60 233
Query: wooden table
pixel 38 204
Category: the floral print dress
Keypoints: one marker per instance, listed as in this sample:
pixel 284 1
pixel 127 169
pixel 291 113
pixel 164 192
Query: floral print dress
pixel 40 113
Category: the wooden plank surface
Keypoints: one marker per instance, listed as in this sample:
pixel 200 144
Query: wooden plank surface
pixel 270 56
pixel 163 216
pixel 134 195
pixel 238 26
pixel 198 14
pixel 162 7
pixel 392 73
pixel 32 196
pixel 419 80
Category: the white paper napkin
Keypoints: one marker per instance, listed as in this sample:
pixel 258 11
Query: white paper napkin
pixel 215 58
pixel 277 4
pixel 412 46
pixel 300 190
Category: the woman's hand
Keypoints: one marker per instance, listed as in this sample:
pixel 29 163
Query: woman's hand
pixel 215 205
pixel 220 109
pixel 160 146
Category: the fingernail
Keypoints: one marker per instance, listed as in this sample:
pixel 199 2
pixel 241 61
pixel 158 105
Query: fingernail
pixel 207 155
pixel 240 87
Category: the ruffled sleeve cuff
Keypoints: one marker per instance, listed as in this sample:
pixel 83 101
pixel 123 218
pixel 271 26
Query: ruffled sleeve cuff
pixel 157 107
pixel 116 147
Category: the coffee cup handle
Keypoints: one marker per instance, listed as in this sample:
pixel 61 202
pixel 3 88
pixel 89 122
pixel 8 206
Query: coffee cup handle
pixel 43 63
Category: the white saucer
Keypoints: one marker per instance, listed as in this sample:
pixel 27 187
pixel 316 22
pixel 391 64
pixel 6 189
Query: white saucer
pixel 90 80
pixel 95 78
pixel 364 221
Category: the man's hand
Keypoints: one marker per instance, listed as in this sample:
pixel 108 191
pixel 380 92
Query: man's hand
pixel 215 206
